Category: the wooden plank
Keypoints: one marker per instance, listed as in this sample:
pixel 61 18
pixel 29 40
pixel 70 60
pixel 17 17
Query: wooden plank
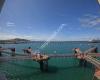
pixel 92 60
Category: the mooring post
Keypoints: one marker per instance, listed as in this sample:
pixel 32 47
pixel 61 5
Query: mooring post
pixel 96 50
pixel 41 65
pixel 13 51
pixel 46 65
pixel 0 53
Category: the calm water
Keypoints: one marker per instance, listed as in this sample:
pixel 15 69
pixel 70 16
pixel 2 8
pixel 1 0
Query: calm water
pixel 59 68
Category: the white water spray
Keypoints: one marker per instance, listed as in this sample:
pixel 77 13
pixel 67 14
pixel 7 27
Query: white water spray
pixel 53 36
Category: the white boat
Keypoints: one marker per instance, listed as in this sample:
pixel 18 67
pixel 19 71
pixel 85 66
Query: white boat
pixel 95 41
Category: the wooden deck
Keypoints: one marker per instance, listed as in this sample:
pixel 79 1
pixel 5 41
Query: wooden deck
pixel 43 58
pixel 92 60
pixel 47 56
pixel 87 55
pixel 96 63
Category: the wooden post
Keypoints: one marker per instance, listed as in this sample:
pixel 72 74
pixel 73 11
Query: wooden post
pixel 13 51
pixel 41 65
pixel 46 65
pixel 0 53
pixel 96 50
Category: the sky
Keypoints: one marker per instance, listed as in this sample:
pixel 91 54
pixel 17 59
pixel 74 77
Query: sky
pixel 64 20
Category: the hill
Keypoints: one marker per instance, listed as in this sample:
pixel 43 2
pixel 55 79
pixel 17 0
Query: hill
pixel 14 41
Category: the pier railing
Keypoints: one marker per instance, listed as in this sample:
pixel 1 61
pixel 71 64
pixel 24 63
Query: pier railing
pixel 94 61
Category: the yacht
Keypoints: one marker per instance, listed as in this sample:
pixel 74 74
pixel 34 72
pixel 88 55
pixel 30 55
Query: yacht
pixel 95 41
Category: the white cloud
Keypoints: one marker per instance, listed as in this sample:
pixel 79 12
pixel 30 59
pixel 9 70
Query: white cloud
pixel 0 28
pixel 90 21
pixel 4 36
pixel 99 1
pixel 10 24
pixel 98 28
pixel 29 27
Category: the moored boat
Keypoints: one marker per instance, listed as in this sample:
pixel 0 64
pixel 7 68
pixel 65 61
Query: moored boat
pixel 95 41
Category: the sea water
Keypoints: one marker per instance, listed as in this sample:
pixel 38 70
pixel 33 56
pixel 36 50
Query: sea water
pixel 59 68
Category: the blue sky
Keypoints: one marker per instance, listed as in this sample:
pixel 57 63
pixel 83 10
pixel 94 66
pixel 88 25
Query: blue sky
pixel 42 19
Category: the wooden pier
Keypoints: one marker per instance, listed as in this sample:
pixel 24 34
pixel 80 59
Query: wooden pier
pixel 43 59
pixel 96 63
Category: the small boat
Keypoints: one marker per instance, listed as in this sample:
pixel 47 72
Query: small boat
pixel 95 41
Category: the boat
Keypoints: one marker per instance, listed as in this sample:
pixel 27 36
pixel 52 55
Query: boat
pixel 95 41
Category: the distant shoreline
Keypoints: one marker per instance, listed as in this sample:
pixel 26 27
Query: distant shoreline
pixel 14 41
pixel 19 41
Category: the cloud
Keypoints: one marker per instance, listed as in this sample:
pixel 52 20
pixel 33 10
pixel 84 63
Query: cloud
pixel 12 33
pixel 7 35
pixel 98 28
pixel 0 28
pixel 99 1
pixel 4 36
pixel 29 27
pixel 91 21
pixel 10 24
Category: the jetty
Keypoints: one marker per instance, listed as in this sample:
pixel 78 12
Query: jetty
pixel 87 56
pixel 96 63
